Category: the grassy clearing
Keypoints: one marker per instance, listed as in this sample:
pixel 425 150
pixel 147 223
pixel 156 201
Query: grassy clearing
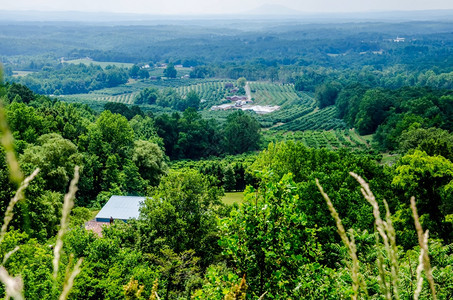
pixel 368 138
pixel 103 64
pixel 22 73
pixel 233 197
pixel 389 159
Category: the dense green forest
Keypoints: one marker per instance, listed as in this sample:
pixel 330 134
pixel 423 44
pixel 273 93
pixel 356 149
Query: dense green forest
pixel 363 124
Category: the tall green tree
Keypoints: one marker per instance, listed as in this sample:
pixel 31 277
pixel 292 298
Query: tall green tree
pixel 115 132
pixel 241 81
pixel 170 71
pixel 192 100
pixel 373 110
pixel 150 160
pixel 147 96
pixel 327 93
pixel 241 132
pixel 180 214
pixel 56 157
pixel 430 180
pixel 268 240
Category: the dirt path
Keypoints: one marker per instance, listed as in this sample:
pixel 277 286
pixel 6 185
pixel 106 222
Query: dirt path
pixel 247 91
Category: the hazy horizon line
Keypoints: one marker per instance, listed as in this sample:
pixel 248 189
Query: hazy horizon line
pixel 295 12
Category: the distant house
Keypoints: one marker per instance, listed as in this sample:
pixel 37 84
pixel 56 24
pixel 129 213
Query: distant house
pixel 399 39
pixel 179 66
pixel 120 208
pixel 229 85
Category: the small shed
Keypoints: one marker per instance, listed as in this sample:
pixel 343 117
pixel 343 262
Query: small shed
pixel 120 208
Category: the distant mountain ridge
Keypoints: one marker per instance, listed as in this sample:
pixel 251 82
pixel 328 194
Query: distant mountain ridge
pixel 267 11
pixel 273 9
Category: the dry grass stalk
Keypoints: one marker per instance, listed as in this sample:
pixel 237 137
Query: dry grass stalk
pixel 423 242
pixel 157 296
pixel 387 233
pixel 350 245
pixel 154 295
pixel 238 291
pixel 17 197
pixel 419 275
pixel 390 230
pixel 7 255
pixel 69 279
pixel 7 141
pixel 383 284
pixel 64 222
pixel 262 296
pixel 13 285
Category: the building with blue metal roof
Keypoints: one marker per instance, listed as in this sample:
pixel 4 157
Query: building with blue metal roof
pixel 120 208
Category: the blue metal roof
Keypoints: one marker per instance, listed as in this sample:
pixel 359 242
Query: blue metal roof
pixel 120 208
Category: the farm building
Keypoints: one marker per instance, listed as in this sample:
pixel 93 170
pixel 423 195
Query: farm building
pixel 236 98
pixel 120 208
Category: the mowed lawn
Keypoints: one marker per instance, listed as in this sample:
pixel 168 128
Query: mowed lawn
pixel 233 197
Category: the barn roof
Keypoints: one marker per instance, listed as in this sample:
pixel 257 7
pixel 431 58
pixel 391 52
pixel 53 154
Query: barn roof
pixel 120 208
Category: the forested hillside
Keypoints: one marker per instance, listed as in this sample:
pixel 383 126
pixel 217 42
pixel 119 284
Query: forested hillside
pixel 337 138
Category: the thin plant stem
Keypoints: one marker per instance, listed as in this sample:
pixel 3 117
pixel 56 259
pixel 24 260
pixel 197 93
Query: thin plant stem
pixel 17 197
pixel 64 222
pixel 350 245
pixel 8 255
pixel 388 235
pixel 423 242
pixel 69 280
pixel 7 141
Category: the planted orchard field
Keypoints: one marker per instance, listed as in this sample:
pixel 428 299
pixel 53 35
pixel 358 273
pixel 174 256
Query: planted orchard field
pixel 125 98
pixel 293 109
pixel 324 119
pixel 94 97
pixel 266 93
pixel 210 91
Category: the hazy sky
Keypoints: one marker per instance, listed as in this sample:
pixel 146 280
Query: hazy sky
pixel 220 6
